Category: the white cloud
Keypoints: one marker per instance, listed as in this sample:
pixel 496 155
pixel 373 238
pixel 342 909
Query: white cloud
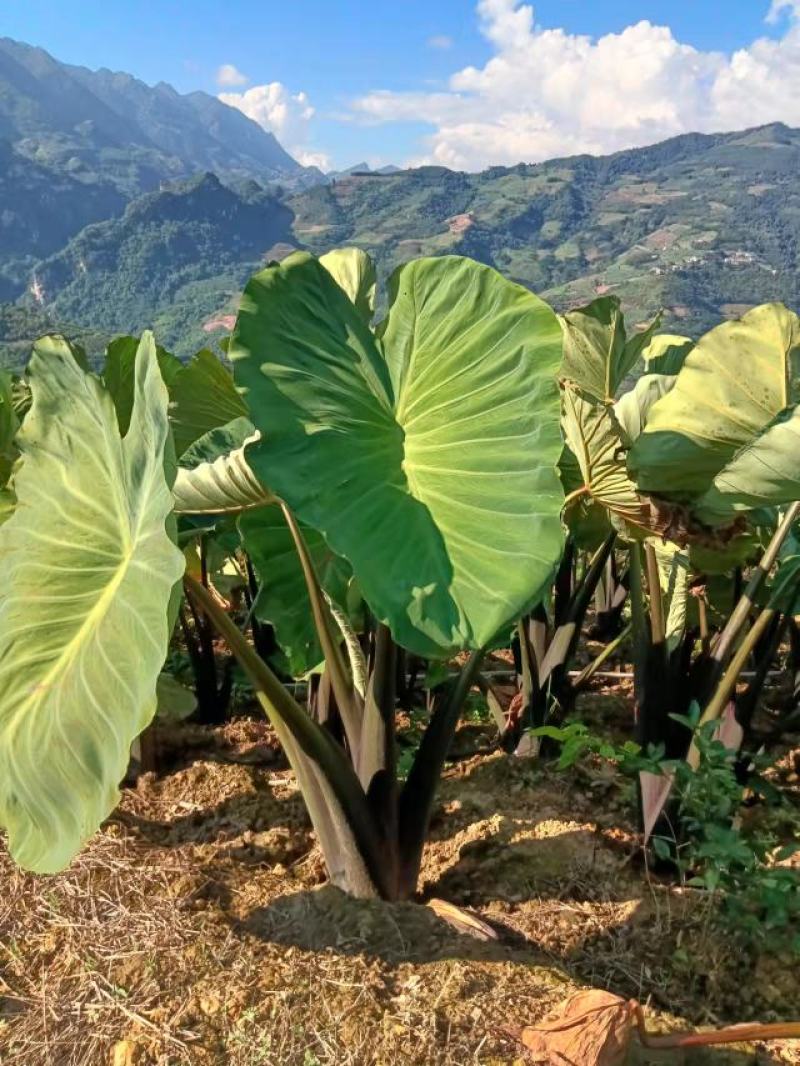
pixel 313 159
pixel 286 114
pixel 440 41
pixel 229 77
pixel 546 92
pixel 778 7
pixel 274 107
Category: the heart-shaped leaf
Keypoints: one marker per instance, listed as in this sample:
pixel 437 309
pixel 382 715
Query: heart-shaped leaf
pixel 426 457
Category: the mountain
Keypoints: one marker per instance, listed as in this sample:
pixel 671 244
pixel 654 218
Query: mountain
pixel 701 225
pixel 40 210
pixel 100 125
pixel 175 260
pixel 360 168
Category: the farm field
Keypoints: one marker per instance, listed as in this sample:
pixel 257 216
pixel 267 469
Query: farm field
pixel 197 926
pixel 424 690
pixel 400 533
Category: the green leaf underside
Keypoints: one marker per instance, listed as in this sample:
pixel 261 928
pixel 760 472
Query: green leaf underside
pixel 595 438
pixel 354 273
pixel 215 476
pixel 597 354
pixel 283 596
pixel 587 520
pixel 88 572
pixel 765 473
pixel 733 383
pixel 426 456
pixel 633 408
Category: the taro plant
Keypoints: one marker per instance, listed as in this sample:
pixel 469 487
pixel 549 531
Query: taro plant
pixel 688 467
pixel 411 470
pixel 721 443
pixel 601 504
pixel 90 574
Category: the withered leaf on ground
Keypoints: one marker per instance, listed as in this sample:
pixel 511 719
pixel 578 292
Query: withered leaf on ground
pixel 591 1028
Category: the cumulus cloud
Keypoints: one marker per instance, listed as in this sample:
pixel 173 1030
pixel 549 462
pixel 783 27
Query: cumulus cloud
pixel 779 7
pixel 310 158
pixel 286 114
pixel 229 77
pixel 440 41
pixel 274 107
pixel 546 92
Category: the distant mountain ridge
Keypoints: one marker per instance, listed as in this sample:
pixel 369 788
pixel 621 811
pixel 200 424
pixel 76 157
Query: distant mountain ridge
pixel 703 226
pixel 360 168
pixel 112 127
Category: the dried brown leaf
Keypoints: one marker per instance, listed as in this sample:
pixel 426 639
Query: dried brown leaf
pixel 592 1028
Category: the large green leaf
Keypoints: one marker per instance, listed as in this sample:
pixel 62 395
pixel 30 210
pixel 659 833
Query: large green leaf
pixel 587 520
pixel 732 385
pixel 425 457
pixel 203 397
pixel 596 440
pixel 218 442
pixel 9 424
pixel 765 473
pixel 597 352
pixel 599 445
pixel 354 272
pixel 784 590
pixel 283 599
pixel 119 374
pixel 88 573
pixel 56 345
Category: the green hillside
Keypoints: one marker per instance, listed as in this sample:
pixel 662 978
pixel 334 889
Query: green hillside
pixel 40 210
pixel 176 260
pixel 702 226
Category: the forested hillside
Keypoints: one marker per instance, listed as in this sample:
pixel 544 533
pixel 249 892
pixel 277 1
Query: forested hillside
pixel 175 259
pixel 701 226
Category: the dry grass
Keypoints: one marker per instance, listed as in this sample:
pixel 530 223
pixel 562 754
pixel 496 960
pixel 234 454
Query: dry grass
pixel 82 954
pixel 193 930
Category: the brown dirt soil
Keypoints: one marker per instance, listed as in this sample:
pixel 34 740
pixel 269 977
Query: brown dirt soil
pixel 196 927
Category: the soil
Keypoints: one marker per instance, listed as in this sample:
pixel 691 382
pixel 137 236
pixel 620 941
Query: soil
pixel 197 928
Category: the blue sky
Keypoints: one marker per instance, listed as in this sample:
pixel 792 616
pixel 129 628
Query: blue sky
pixel 464 82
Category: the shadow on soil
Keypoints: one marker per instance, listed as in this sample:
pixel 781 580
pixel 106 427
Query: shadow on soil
pixel 328 920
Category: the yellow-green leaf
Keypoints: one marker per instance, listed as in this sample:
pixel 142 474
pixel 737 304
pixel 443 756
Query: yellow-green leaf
pixel 88 571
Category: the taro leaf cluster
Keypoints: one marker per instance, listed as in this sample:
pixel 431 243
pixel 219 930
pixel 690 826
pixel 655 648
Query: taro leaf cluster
pixel 411 469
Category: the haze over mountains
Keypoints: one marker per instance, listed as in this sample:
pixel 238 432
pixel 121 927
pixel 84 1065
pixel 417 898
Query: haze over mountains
pixel 124 206
pixel 110 127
